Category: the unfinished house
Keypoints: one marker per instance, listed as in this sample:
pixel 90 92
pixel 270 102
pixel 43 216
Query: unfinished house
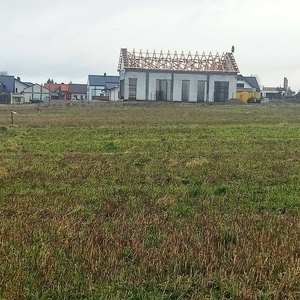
pixel 177 77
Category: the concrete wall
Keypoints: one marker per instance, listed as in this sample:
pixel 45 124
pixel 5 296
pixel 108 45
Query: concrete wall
pixel 141 84
pixel 152 82
pixel 146 84
pixel 193 78
pixel 231 78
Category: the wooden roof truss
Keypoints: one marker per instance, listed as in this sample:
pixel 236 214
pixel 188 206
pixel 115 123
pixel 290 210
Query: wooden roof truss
pixel 178 62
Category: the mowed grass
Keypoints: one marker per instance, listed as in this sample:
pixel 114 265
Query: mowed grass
pixel 150 201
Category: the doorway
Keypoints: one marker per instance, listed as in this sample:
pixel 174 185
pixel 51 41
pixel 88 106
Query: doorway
pixel 221 91
pixel 185 92
pixel 163 89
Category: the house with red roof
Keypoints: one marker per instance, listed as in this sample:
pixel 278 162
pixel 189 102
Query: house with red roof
pixel 58 90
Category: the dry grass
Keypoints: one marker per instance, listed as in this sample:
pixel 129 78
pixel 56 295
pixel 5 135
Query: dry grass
pixel 120 201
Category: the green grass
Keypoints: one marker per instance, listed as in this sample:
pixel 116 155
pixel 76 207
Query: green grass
pixel 139 201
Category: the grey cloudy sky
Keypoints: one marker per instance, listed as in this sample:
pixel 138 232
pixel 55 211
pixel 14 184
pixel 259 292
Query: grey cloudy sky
pixel 68 40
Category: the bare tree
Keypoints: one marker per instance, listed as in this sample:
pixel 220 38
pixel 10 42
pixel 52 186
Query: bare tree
pixel 258 80
pixel 290 92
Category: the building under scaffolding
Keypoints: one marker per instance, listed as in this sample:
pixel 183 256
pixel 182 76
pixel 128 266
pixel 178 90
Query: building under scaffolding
pixel 177 77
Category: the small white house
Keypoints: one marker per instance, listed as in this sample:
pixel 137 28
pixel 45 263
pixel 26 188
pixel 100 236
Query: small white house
pixel 272 92
pixel 78 91
pixel 36 91
pixel 166 77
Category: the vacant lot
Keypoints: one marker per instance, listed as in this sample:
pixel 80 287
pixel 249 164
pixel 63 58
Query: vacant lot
pixel 150 201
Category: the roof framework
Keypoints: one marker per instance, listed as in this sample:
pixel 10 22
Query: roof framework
pixel 178 62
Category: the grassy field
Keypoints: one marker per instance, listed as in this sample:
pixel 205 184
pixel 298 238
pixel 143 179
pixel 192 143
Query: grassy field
pixel 150 201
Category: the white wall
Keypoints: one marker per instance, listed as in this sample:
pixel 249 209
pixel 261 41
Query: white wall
pixel 178 77
pixel 114 94
pixel 36 91
pixel 264 93
pixel 193 78
pixel 222 77
pixel 141 84
pixel 245 83
pixel 152 82
pixel 19 86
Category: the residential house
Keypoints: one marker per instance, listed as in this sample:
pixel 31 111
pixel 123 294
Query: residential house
pixel 58 90
pixel 11 89
pixel 78 91
pixel 248 89
pixel 36 91
pixel 273 92
pixel 19 85
pixel 247 83
pixel 177 77
pixel 98 85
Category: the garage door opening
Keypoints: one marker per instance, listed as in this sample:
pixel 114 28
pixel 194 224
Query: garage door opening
pixel 163 90
pixel 221 91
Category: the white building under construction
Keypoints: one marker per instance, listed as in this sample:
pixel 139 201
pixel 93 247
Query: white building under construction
pixel 177 77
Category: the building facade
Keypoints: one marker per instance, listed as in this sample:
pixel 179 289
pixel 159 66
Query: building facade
pixel 58 91
pixel 78 91
pixel 273 92
pixel 187 78
pixel 36 91
pixel 11 90
pixel 247 83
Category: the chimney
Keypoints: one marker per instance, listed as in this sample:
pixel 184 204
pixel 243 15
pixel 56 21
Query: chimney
pixel 19 78
pixel 104 74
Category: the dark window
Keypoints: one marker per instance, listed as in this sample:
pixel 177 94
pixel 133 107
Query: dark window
pixel 240 85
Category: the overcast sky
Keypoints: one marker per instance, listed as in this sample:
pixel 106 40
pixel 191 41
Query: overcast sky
pixel 68 40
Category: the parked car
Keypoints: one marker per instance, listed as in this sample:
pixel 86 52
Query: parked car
pixel 36 100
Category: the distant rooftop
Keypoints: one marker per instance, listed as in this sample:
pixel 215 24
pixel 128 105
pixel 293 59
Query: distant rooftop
pixel 102 80
pixel 27 83
pixel 9 82
pixel 77 88
pixel 55 86
pixel 270 89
